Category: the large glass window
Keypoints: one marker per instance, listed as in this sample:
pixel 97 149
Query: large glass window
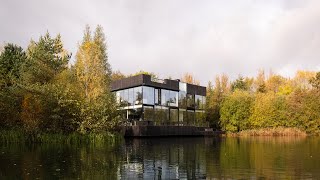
pixel 157 115
pixel 148 95
pixel 190 101
pixel 148 113
pixel 165 97
pixel 182 116
pixel 131 97
pixel 161 115
pixel 157 97
pixel 135 114
pixel 203 102
pixel 118 97
pixel 182 100
pixel 173 98
pixel 190 117
pixel 165 115
pixel 183 86
pixel 137 95
pixel 198 102
pixel 174 116
pixel 200 118
pixel 124 97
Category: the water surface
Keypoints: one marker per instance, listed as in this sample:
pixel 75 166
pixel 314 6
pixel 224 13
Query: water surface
pixel 166 158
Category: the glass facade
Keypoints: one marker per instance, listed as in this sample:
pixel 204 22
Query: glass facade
pixel 130 97
pixel 148 113
pixel 137 95
pixel 157 96
pixel 200 118
pixel 162 106
pixel 173 98
pixel 190 118
pixel 174 116
pixel 182 116
pixel 148 95
pixel 182 99
pixel 190 101
pixel 200 102
pixel 164 97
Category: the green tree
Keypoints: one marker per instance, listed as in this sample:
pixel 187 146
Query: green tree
pixel 235 111
pixel 240 84
pixel 46 59
pixel 11 61
pixel 269 110
pixel 215 96
pixel 304 110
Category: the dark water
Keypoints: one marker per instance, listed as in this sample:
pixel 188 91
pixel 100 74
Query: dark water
pixel 166 158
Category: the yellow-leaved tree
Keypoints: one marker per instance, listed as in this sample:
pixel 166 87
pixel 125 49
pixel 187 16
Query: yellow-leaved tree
pixel 93 73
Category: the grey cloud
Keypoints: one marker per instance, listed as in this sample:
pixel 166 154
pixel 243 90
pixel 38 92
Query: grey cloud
pixel 169 37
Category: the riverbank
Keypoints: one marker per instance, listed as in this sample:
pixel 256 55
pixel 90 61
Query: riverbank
pixel 278 131
pixel 18 136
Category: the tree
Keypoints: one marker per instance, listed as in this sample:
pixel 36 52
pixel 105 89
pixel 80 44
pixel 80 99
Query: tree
pixel 94 75
pixel 315 81
pixel 153 75
pixel 215 95
pixel 12 60
pixel 274 83
pixel 235 111
pixel 240 84
pixel 302 79
pixel 189 78
pixel 117 75
pixel 46 59
pixel 303 110
pixel 268 110
pixel 259 82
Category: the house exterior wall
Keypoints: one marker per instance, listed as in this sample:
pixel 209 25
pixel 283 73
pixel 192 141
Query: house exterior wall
pixel 160 102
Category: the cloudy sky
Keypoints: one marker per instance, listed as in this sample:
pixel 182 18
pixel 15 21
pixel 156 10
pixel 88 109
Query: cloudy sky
pixel 171 37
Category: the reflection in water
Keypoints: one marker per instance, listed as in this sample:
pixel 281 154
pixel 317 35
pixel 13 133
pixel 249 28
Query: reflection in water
pixel 167 158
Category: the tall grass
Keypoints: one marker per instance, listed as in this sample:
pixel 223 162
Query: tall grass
pixel 278 131
pixel 19 136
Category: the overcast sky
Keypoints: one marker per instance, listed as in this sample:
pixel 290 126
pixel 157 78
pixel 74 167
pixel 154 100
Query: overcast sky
pixel 171 37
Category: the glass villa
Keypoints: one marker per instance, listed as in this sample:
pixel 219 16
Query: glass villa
pixel 147 101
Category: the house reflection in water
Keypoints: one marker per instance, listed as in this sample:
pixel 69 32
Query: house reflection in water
pixel 180 161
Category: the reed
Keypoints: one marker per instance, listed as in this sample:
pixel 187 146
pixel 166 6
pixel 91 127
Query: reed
pixel 277 131
pixel 18 136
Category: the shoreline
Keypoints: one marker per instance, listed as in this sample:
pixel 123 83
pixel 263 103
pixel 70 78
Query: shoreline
pixel 18 136
pixel 271 132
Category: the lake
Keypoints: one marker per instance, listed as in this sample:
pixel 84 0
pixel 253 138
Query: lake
pixel 167 158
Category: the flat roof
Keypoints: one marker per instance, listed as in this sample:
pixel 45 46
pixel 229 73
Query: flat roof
pixel 146 80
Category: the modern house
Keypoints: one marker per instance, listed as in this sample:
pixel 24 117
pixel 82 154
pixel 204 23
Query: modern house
pixel 145 101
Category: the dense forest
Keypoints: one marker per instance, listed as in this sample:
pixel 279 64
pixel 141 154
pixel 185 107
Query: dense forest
pixel 265 102
pixel 41 91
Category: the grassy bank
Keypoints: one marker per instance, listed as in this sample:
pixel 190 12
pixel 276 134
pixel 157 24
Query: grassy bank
pixel 18 136
pixel 278 131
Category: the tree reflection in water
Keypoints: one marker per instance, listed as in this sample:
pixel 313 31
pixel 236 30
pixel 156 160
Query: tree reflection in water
pixel 166 158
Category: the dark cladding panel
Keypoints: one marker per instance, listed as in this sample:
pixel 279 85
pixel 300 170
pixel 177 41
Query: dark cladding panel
pixel 201 90
pixel 127 82
pixel 194 89
pixel 145 80
pixel 166 84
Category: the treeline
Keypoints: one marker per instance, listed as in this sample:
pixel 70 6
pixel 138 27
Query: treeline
pixel 41 91
pixel 265 102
